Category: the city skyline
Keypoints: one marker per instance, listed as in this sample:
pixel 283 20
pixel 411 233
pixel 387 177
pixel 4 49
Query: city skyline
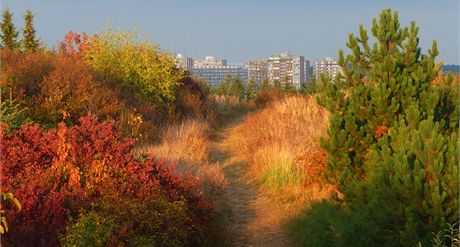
pixel 243 30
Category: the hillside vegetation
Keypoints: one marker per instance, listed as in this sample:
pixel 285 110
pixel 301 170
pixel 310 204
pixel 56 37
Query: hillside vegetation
pixel 104 142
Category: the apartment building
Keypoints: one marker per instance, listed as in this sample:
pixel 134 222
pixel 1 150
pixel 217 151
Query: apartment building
pixel 287 68
pixel 307 70
pixel 257 70
pixel 183 62
pixel 215 75
pixel 327 66
pixel 209 61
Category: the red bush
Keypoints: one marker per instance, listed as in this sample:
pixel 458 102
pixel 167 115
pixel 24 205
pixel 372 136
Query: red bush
pixel 73 44
pixel 58 172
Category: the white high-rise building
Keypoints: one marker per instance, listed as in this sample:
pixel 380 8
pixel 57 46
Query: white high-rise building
pixel 215 75
pixel 209 61
pixel 214 70
pixel 183 62
pixel 257 70
pixel 287 68
pixel 307 70
pixel 327 66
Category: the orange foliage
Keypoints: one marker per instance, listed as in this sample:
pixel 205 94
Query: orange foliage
pixel 380 130
pixel 71 90
pixel 24 72
pixel 73 44
pixel 315 162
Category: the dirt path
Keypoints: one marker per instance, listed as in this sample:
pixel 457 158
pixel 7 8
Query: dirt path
pixel 248 216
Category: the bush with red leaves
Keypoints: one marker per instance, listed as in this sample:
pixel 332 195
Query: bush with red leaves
pixel 61 172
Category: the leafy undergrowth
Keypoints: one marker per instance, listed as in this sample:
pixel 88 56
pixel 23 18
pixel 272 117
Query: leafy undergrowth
pixel 281 145
pixel 82 182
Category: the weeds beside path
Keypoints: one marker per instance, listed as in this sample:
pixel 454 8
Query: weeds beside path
pixel 248 216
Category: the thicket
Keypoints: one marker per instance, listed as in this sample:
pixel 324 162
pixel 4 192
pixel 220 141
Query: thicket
pixel 69 120
pixel 392 143
pixel 140 87
pixel 69 172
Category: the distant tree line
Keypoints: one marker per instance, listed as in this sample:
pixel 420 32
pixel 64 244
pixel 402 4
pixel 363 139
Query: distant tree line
pixel 234 86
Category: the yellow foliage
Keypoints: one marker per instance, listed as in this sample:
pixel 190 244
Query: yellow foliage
pixel 135 62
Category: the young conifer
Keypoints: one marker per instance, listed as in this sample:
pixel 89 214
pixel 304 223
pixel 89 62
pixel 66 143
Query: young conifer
pixel 9 33
pixel 30 43
pixel 393 136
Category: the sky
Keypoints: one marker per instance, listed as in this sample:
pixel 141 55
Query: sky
pixel 241 30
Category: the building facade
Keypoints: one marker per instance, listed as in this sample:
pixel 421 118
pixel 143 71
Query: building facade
pixel 183 62
pixel 209 61
pixel 327 66
pixel 307 70
pixel 257 70
pixel 287 68
pixel 215 75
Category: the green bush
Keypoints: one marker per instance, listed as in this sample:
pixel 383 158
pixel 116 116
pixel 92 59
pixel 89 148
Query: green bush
pixel 328 224
pixel 231 86
pixel 446 237
pixel 12 115
pixel 393 137
pixel 90 230
pixel 152 221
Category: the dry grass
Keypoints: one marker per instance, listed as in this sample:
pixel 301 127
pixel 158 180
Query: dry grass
pixel 224 108
pixel 187 144
pixel 281 144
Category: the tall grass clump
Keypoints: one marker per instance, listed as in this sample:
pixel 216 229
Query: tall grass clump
pixel 280 144
pixel 187 143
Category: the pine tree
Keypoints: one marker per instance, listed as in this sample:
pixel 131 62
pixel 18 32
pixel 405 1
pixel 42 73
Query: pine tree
pixel 265 85
pixel 277 85
pixel 393 135
pixel 232 86
pixel 288 87
pixel 251 89
pixel 30 43
pixel 9 34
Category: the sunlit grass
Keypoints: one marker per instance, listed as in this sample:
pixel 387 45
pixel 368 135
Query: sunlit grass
pixel 187 144
pixel 280 144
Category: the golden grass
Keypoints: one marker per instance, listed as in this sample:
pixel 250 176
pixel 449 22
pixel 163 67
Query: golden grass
pixel 281 144
pixel 224 108
pixel 187 144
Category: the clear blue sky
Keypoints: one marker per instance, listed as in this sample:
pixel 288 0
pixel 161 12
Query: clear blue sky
pixel 243 29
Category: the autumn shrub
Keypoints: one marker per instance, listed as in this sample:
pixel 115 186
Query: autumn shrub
pixel 192 98
pixel 23 72
pixel 137 65
pixel 268 95
pixel 54 171
pixel 71 91
pixel 158 206
pixel 112 74
pixel 57 173
pixel 90 229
